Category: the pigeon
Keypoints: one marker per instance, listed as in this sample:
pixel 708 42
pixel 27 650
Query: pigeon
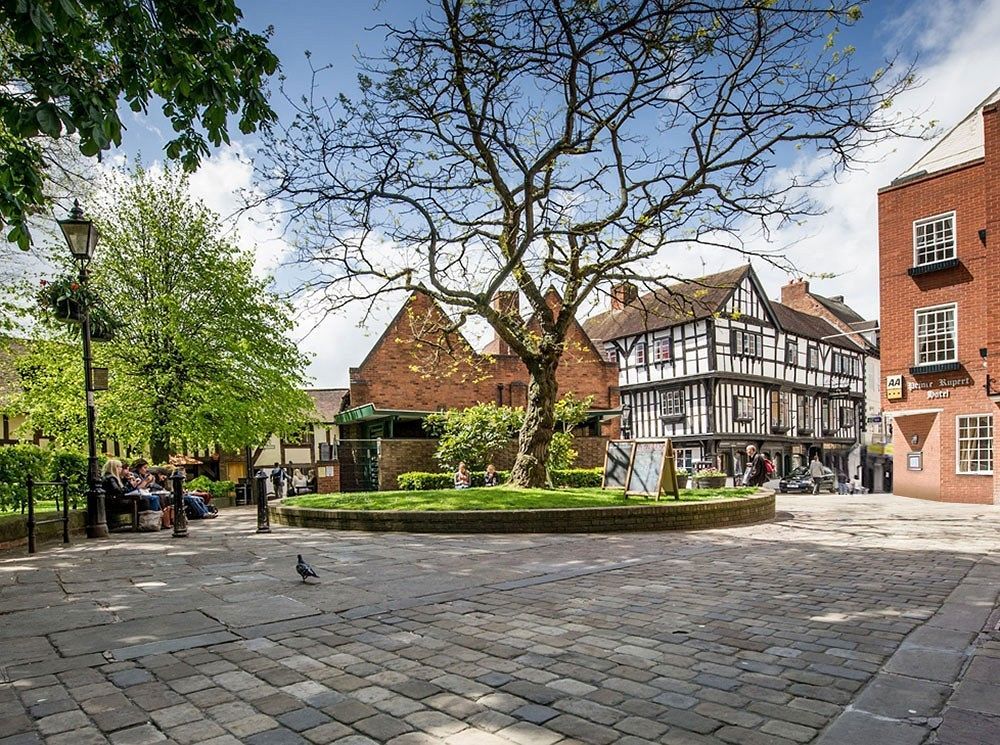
pixel 305 570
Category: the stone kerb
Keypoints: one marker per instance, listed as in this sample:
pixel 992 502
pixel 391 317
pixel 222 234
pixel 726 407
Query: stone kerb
pixel 666 515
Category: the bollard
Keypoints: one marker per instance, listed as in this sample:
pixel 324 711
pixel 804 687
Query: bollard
pixel 65 507
pixel 263 518
pixel 180 516
pixel 31 515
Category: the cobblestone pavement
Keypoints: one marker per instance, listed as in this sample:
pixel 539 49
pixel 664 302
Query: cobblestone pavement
pixel 847 620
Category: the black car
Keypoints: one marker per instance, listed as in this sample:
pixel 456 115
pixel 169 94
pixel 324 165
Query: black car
pixel 798 479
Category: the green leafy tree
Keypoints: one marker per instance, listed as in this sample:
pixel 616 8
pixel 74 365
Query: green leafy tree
pixel 201 354
pixel 66 64
pixel 474 434
pixel 529 144
pixel 477 433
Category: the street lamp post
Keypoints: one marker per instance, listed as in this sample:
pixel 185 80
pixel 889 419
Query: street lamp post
pixel 81 237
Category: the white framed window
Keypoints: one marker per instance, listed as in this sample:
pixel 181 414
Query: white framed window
pixel 779 409
pixel 844 364
pixel 846 417
pixel 805 423
pixel 747 344
pixel 826 420
pixel 684 458
pixel 743 408
pixel 934 239
pixel 640 353
pixel 672 403
pixel 610 353
pixel 975 444
pixel 792 352
pixel 812 358
pixel 936 334
pixel 662 349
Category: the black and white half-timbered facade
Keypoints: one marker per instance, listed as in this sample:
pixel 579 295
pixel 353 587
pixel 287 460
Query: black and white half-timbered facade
pixel 716 366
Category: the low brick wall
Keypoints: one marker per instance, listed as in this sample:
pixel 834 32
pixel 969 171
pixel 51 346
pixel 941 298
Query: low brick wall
pixel 667 515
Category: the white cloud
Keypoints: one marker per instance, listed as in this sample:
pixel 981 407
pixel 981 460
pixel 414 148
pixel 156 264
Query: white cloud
pixel 958 64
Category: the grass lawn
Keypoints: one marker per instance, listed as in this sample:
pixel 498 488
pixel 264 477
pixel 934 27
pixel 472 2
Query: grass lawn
pixel 496 498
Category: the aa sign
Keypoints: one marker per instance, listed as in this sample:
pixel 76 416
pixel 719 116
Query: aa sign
pixel 894 387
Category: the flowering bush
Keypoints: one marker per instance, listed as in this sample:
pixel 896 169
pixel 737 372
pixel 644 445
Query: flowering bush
pixel 708 473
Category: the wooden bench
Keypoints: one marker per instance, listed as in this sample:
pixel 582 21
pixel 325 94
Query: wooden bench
pixel 115 508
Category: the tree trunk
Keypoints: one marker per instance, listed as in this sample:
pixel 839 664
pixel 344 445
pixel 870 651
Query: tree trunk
pixel 159 449
pixel 530 466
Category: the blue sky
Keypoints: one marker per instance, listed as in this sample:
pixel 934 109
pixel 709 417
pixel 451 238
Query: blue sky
pixel 953 42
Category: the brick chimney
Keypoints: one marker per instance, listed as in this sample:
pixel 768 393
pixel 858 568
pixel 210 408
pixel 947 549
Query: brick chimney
pixel 506 303
pixel 794 293
pixel 623 294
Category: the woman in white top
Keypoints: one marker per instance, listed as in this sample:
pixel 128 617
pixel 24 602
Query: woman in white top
pixel 300 483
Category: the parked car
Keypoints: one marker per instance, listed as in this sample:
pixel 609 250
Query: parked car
pixel 798 479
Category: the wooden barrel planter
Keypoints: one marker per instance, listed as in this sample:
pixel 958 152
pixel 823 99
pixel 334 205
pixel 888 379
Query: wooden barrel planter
pixel 710 482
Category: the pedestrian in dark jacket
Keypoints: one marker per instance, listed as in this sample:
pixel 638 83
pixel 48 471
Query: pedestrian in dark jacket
pixel 756 471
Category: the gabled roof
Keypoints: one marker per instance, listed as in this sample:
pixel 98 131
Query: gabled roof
pixel 328 402
pixel 670 306
pixel 810 326
pixel 963 144
pixel 839 308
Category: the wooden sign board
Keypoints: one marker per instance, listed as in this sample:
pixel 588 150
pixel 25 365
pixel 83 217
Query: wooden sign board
pixel 617 458
pixel 652 470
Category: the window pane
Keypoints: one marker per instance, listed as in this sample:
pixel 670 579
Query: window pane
pixel 975 444
pixel 934 240
pixel 936 335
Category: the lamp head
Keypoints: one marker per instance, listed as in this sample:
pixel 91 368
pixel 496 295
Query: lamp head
pixel 80 233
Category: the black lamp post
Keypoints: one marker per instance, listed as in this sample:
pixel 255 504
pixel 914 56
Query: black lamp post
pixel 626 421
pixel 81 237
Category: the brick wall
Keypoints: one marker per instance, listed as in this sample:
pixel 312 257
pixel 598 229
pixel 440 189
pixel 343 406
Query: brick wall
pixel 415 366
pixel 972 285
pixel 328 484
pixel 663 516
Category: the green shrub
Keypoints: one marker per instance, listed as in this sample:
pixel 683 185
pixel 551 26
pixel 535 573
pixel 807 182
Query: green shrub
pixel 423 481
pixel 215 488
pixel 73 466
pixel 577 477
pixel 17 462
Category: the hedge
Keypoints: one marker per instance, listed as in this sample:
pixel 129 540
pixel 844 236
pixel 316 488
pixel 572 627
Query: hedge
pixel 215 488
pixel 424 481
pixel 18 461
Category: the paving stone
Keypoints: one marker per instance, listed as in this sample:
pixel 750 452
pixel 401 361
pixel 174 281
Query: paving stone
pixel 978 697
pixel 900 697
pixel 382 727
pixel 534 713
pixel 961 727
pixel 855 727
pixel 280 736
pixel 303 719
pixel 141 735
pixel 325 733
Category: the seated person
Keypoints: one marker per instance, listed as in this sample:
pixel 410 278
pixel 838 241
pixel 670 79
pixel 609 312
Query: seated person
pixel 463 479
pixel 300 485
pixel 195 507
pixel 119 484
pixel 491 478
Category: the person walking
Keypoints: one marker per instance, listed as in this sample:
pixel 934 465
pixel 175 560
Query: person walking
pixel 816 472
pixel 756 470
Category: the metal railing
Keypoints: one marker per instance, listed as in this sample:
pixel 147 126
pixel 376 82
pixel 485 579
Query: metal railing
pixel 32 523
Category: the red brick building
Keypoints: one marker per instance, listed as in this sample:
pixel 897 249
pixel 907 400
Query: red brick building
pixel 421 364
pixel 939 258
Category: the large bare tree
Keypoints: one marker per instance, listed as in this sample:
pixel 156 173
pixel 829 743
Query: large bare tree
pixel 501 144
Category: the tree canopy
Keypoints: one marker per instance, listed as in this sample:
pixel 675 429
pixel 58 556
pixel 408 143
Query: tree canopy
pixel 66 64
pixel 201 354
pixel 529 144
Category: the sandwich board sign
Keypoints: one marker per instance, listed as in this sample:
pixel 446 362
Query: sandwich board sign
pixel 650 471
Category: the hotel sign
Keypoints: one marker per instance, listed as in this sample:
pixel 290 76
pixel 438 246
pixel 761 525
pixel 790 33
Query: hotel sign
pixel 894 387
pixel 940 388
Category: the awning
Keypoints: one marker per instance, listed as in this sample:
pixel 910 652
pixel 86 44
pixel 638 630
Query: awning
pixel 368 412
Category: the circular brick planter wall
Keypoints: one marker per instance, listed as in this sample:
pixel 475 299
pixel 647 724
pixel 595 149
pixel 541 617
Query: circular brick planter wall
pixel 666 515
